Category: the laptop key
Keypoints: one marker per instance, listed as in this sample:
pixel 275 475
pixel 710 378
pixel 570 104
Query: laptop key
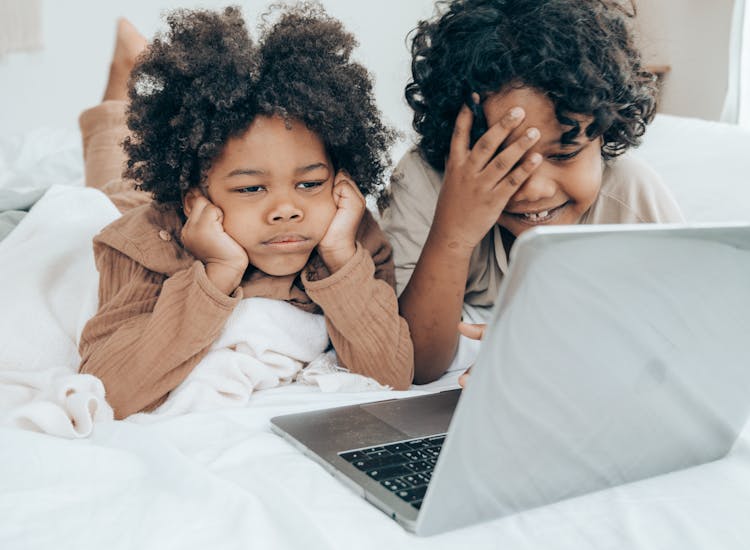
pixel 412 480
pixel 425 477
pixel 419 466
pixel 417 504
pixel 366 464
pixel 397 447
pixel 372 450
pixel 387 473
pixel 415 455
pixel 378 454
pixel 352 456
pixel 394 484
pixel 411 495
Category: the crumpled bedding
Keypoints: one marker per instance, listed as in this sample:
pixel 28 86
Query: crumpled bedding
pixel 222 479
pixel 14 206
pixel 47 264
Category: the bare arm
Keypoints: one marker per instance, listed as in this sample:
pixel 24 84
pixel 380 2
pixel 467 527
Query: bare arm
pixel 478 184
pixel 431 304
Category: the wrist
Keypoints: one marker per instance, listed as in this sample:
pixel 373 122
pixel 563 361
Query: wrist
pixel 450 243
pixel 224 277
pixel 335 259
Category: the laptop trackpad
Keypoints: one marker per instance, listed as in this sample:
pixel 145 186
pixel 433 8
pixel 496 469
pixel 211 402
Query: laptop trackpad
pixel 417 416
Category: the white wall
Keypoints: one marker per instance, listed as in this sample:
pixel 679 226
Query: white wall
pixel 51 87
pixel 693 37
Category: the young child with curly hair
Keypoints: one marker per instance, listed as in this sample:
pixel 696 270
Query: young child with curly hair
pixel 554 93
pixel 244 158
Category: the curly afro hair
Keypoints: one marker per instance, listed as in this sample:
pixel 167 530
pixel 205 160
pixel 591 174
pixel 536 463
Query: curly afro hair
pixel 580 53
pixel 206 80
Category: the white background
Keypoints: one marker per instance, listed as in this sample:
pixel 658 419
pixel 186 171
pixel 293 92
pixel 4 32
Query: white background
pixel 51 87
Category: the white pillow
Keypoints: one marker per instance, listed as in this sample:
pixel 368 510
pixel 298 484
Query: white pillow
pixel 705 164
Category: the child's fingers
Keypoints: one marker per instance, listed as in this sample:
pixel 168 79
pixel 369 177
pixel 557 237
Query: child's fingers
pixel 464 378
pixel 473 331
pixel 459 148
pixel 205 215
pixel 346 196
pixel 343 183
pixel 197 205
pixel 502 164
pixel 485 149
pixel 513 181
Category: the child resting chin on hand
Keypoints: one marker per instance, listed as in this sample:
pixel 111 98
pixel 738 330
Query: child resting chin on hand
pixel 244 158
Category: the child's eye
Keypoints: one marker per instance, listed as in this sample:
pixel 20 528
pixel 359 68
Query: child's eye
pixel 565 156
pixel 310 184
pixel 251 189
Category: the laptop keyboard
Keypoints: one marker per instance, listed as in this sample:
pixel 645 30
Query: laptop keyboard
pixel 405 467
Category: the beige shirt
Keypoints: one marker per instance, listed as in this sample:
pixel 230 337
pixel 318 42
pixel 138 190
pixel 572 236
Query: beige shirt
pixel 631 192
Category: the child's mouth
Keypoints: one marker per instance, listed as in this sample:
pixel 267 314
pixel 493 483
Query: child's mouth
pixel 288 242
pixel 540 216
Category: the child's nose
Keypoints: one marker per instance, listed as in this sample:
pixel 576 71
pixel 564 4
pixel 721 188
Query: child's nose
pixel 537 187
pixel 285 209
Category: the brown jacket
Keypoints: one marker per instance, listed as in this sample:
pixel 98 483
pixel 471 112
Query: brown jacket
pixel 159 313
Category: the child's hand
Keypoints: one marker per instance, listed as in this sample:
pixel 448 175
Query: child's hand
pixel 204 237
pixel 338 244
pixel 475 332
pixel 478 183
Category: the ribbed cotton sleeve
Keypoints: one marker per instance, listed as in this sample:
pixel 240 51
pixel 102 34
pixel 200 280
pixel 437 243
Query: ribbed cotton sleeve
pixel 361 311
pixel 151 330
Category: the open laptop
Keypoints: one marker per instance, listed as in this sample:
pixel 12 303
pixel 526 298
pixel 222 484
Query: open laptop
pixel 615 353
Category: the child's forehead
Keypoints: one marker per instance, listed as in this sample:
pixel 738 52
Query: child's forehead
pixel 539 112
pixel 272 146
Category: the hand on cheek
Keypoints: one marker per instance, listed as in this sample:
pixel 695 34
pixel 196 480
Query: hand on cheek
pixel 338 244
pixel 204 237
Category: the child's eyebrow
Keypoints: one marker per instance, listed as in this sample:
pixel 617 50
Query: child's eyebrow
pixel 310 168
pixel 245 172
pixel 559 141
pixel 259 172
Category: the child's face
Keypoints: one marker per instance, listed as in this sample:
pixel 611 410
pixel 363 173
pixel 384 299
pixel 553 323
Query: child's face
pixel 570 176
pixel 274 185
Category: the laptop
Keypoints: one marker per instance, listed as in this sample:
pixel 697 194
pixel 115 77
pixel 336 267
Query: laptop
pixel 614 354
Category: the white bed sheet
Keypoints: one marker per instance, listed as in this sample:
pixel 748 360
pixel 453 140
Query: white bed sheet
pixel 223 480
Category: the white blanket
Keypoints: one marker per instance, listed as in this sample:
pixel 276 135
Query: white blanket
pixel 48 293
pixel 50 286
pixel 264 344
pixel 221 479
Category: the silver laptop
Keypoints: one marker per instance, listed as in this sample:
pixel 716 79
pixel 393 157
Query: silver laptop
pixel 614 353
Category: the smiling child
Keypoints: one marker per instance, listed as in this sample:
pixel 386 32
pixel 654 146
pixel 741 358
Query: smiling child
pixel 556 90
pixel 245 160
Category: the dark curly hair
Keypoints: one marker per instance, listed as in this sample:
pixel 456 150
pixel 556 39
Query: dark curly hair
pixel 580 53
pixel 205 81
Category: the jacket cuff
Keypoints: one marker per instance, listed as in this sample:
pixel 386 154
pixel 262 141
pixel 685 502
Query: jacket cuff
pixel 349 281
pixel 199 275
